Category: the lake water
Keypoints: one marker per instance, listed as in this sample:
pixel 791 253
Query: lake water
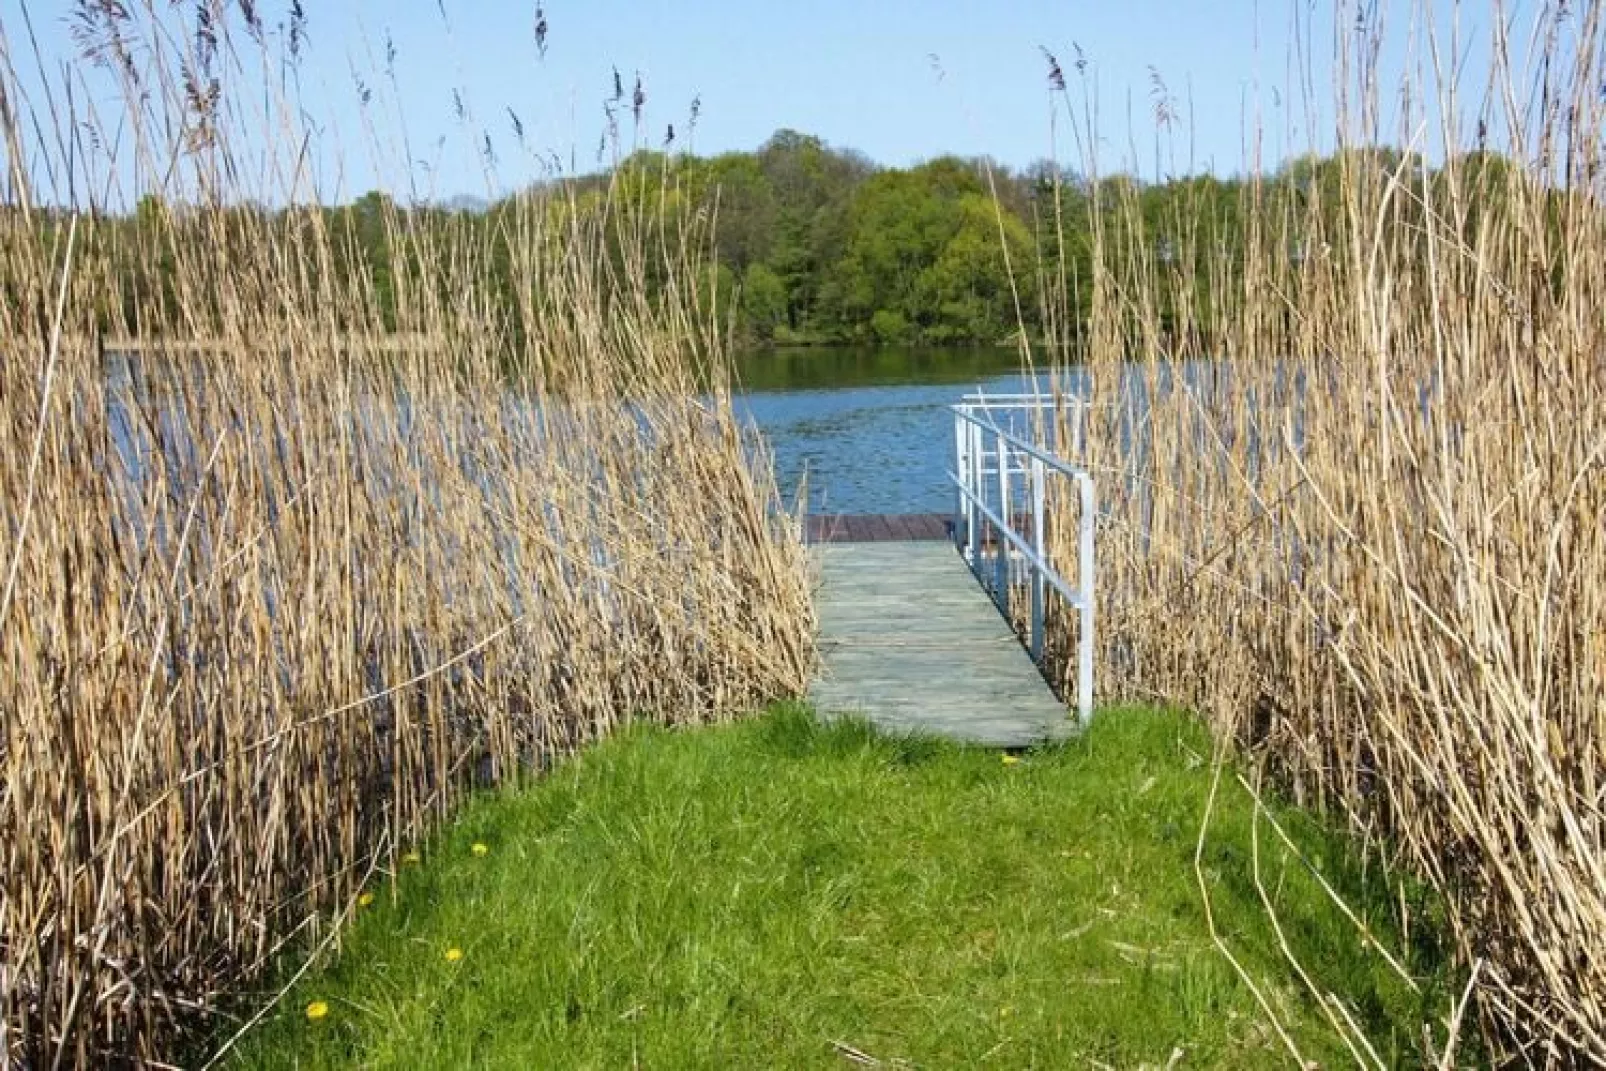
pixel 869 427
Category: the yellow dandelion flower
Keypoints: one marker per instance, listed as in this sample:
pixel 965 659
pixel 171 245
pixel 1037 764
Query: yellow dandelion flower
pixel 317 1010
pixel 1010 760
pixel 365 899
pixel 410 859
pixel 480 848
pixel 453 954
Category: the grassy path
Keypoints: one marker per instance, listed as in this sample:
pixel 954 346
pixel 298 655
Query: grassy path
pixel 780 893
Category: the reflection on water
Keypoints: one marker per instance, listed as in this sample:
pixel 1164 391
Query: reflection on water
pixel 870 428
pixel 839 367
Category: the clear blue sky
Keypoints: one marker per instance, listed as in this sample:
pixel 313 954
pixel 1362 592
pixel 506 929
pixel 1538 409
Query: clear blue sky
pixel 899 80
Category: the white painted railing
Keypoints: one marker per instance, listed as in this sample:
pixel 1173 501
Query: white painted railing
pixel 1002 476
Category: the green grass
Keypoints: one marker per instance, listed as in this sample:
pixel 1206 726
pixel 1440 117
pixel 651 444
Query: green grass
pixel 777 892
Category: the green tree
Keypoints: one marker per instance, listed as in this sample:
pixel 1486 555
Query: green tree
pixel 763 302
pixel 973 284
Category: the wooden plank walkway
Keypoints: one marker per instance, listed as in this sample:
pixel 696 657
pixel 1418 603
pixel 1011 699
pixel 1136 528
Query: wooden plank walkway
pixel 909 639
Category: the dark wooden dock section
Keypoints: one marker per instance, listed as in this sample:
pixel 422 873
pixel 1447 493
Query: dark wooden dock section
pixel 877 527
pixel 891 528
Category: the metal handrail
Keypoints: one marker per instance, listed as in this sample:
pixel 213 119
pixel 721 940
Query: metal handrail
pixel 1012 456
pixel 1036 402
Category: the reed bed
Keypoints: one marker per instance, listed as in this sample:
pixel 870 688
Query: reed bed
pixel 1353 492
pixel 287 579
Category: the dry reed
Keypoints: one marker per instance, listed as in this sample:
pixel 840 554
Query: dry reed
pixel 1354 490
pixel 290 579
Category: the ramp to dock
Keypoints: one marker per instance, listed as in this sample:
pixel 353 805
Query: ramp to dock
pixel 910 640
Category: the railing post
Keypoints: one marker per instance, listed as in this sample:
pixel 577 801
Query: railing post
pixel 1087 588
pixel 1001 544
pixel 978 488
pixel 1039 583
pixel 962 470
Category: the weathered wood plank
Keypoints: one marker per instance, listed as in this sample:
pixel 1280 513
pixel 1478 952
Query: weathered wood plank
pixel 910 640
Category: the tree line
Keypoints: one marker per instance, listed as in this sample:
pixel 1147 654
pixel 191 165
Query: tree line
pixel 818 245
pixel 809 244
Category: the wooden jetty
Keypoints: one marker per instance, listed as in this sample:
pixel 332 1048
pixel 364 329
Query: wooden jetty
pixel 910 640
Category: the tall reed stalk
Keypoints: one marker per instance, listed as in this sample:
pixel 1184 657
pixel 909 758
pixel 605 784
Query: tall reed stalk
pixel 1354 487
pixel 292 563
